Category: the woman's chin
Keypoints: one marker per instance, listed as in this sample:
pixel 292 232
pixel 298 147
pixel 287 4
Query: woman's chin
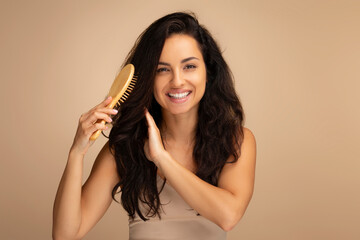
pixel 182 110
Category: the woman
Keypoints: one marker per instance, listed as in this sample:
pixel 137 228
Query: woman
pixel 177 151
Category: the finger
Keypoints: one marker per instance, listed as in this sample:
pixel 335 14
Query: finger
pixel 108 111
pixel 149 118
pixel 96 127
pixel 146 147
pixel 105 102
pixel 95 116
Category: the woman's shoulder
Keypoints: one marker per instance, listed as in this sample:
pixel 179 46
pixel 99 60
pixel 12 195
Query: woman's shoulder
pixel 248 142
pixel 105 163
pixel 248 134
pixel 245 143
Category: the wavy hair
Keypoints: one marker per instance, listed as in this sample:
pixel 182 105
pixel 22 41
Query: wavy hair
pixel 219 132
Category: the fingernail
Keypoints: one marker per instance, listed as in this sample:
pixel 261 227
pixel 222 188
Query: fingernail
pixel 115 111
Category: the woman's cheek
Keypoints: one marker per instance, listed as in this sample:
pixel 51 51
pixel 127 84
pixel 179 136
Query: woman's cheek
pixel 158 98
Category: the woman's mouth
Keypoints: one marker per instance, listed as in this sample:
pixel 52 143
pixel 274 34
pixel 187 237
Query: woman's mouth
pixel 178 97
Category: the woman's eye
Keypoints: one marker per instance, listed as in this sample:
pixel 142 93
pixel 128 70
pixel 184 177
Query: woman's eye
pixel 162 70
pixel 190 66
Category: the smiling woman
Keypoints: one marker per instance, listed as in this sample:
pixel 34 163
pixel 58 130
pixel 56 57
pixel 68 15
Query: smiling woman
pixel 178 152
pixel 181 76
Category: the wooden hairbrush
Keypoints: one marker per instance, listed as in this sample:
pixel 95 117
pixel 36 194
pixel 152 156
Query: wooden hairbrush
pixel 120 90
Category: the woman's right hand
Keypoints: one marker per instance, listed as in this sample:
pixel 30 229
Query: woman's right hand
pixel 87 126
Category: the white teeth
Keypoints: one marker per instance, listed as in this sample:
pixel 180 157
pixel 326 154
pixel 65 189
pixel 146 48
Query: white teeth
pixel 178 95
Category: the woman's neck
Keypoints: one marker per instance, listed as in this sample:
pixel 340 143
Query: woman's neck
pixel 180 128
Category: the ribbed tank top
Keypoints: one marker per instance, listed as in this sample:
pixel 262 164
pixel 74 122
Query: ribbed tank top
pixel 178 220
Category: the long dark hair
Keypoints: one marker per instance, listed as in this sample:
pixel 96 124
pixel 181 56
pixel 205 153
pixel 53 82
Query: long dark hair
pixel 219 132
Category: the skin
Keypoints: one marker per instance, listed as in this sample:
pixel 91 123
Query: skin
pixel 226 203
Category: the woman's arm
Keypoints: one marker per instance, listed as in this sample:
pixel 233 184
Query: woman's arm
pixel 223 205
pixel 78 208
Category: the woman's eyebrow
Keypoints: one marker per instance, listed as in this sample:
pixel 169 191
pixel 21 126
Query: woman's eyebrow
pixel 182 61
pixel 164 63
pixel 188 59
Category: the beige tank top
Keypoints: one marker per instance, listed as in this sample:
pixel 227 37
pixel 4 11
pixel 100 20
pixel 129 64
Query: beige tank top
pixel 178 220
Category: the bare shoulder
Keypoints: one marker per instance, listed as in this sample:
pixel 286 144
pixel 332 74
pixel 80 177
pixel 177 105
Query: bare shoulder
pixel 238 177
pixel 249 137
pixel 105 165
pixel 106 154
pixel 104 172
pixel 248 149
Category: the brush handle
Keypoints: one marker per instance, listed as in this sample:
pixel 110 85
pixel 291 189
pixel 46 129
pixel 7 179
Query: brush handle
pixel 96 134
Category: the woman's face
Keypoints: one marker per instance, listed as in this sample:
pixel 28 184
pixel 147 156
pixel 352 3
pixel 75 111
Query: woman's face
pixel 181 75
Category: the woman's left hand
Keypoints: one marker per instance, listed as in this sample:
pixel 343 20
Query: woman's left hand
pixel 153 146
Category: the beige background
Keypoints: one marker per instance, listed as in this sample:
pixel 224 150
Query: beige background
pixel 296 65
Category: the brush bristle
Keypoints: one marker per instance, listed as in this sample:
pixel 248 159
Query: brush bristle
pixel 127 92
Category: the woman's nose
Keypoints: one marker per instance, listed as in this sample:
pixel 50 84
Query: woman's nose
pixel 177 79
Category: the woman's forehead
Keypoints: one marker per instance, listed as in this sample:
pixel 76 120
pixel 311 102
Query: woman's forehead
pixel 180 46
